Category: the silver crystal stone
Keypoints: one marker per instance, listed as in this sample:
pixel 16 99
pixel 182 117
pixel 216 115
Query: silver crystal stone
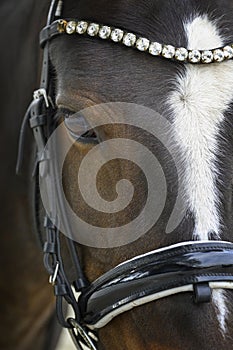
pixel 117 35
pixel 129 39
pixel 219 55
pixel 81 27
pixel 155 49
pixel 207 56
pixel 228 52
pixel 168 51
pixel 71 27
pixel 104 32
pixel 142 44
pixel 194 56
pixel 93 29
pixel 181 54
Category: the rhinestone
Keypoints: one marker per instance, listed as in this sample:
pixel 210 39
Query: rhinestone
pixel 207 56
pixel 93 29
pixel 228 52
pixel 129 39
pixel 81 27
pixel 117 35
pixel 104 32
pixel 70 27
pixel 61 26
pixel 168 51
pixel 194 56
pixel 181 54
pixel 155 49
pixel 142 44
pixel 219 55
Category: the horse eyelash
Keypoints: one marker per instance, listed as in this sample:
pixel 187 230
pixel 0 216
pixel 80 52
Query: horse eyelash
pixel 62 113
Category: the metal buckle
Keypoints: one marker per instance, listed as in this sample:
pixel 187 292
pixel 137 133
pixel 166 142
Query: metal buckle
pixel 53 278
pixel 80 335
pixel 41 92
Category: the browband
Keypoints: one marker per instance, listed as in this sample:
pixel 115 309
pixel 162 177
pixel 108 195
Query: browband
pixel 106 32
pixel 196 267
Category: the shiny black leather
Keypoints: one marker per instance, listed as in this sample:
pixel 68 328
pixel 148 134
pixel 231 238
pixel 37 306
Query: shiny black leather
pixel 155 272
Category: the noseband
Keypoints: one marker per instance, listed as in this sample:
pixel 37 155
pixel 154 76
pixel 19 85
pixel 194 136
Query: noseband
pixel 188 267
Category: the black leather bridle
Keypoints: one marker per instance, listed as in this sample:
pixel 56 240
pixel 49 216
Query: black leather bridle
pixel 194 267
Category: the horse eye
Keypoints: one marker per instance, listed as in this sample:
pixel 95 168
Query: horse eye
pixel 78 127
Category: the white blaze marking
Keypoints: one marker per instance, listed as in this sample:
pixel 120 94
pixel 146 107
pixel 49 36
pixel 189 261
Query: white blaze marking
pixel 199 101
pixel 219 298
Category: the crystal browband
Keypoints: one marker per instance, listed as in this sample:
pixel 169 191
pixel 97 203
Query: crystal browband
pixel 128 39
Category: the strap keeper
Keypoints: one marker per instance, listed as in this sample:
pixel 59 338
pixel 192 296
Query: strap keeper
pixel 48 223
pixel 49 248
pixel 43 156
pixel 202 293
pixel 80 284
pixel 54 29
pixel 36 121
pixel 60 290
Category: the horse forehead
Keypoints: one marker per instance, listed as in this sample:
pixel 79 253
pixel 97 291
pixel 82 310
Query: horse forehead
pixel 92 75
pixel 111 8
pixel 143 17
pixel 83 63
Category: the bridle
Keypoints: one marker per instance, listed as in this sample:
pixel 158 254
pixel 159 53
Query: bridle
pixel 194 267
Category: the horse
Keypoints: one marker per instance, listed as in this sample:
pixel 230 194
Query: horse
pixel 83 78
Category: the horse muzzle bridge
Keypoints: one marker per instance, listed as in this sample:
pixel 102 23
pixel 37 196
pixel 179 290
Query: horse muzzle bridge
pixel 188 267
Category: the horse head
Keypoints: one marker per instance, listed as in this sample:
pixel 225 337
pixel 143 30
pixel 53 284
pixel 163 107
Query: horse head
pixel 139 97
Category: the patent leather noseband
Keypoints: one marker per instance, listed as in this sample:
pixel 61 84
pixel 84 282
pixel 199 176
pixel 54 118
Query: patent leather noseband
pixel 189 267
pixel 195 267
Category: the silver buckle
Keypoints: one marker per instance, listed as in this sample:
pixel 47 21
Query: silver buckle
pixel 81 333
pixel 53 278
pixel 41 92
